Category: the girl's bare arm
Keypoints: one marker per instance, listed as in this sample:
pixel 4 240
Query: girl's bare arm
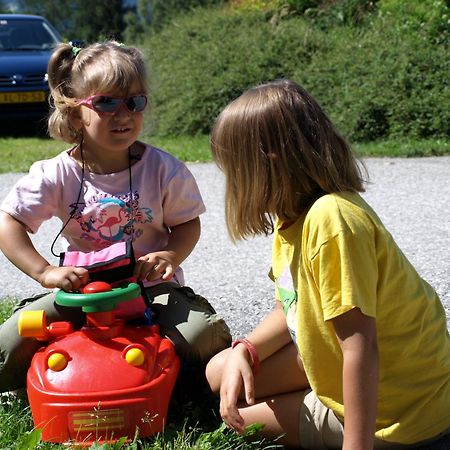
pixel 357 336
pixel 271 334
pixel 163 263
pixel 231 370
pixel 18 248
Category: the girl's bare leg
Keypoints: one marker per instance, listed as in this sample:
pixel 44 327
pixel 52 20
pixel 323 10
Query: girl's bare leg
pixel 280 415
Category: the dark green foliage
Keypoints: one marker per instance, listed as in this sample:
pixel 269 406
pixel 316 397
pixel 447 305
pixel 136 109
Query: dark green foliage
pixel 379 67
pixel 203 60
pixel 162 11
pixel 99 19
pixel 384 77
pixel 60 14
pixel 80 19
pixel 428 18
pixel 382 83
pixel 331 13
pixel 134 27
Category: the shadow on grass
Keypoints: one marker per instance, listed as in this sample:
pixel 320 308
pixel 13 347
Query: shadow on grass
pixel 23 128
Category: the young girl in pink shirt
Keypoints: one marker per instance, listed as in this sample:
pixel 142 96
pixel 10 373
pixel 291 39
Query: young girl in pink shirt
pixel 108 187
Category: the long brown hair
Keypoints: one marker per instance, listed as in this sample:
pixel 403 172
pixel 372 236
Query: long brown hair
pixel 279 152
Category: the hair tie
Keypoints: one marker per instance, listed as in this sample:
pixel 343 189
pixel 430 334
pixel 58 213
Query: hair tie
pixel 76 50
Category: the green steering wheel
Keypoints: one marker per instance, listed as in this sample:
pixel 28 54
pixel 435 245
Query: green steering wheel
pixel 98 296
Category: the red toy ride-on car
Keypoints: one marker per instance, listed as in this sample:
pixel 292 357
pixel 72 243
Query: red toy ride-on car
pixel 106 381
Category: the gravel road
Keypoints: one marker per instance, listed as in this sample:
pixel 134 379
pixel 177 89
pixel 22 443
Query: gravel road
pixel 412 197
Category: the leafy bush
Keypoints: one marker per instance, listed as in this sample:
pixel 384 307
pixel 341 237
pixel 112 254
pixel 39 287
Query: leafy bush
pixel 331 13
pixel 162 11
pixel 431 18
pixel 202 61
pixel 381 83
pixel 380 80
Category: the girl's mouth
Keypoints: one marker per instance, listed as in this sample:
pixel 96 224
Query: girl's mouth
pixel 121 130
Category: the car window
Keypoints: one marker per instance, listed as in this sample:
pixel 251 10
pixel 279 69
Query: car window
pixel 26 35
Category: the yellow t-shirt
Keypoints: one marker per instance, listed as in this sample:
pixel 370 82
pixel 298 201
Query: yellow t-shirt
pixel 338 256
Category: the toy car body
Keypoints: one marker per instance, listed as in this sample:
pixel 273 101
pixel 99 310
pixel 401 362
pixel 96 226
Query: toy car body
pixel 103 382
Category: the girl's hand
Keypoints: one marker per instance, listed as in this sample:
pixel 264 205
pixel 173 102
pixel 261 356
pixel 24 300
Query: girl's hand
pixel 237 372
pixel 70 278
pixel 155 266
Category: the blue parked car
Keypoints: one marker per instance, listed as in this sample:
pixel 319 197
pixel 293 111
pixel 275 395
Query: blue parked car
pixel 26 43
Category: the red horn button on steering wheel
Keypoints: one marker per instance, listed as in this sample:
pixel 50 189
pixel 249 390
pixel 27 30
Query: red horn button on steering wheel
pixel 96 286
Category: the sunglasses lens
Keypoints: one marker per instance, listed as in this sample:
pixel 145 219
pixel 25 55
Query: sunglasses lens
pixel 110 105
pixel 136 103
pixel 106 104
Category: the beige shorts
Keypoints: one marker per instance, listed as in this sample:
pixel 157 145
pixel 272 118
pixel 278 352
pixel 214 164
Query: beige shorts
pixel 319 426
pixel 321 429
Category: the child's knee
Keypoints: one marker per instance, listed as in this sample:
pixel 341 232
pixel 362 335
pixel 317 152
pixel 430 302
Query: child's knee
pixel 200 337
pixel 190 322
pixel 16 354
pixel 214 370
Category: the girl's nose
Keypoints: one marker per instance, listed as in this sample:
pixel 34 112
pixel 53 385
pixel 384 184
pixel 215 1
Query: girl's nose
pixel 122 111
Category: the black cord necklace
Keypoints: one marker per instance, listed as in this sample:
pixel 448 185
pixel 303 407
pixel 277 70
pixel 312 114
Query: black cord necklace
pixel 75 205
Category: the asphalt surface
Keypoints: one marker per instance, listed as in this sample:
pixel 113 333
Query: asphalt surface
pixel 412 197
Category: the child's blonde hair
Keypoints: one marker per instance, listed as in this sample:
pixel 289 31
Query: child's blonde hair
pixel 279 152
pixel 101 68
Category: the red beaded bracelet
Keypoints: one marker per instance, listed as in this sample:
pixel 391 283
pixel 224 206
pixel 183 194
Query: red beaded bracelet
pixel 252 352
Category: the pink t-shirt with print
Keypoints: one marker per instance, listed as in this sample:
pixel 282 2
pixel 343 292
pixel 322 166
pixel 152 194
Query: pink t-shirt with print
pixel 163 194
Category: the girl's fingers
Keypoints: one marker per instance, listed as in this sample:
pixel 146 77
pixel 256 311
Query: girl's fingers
pixel 143 268
pixel 152 267
pixel 82 274
pixel 231 417
pixel 153 272
pixel 162 269
pixel 66 285
pixel 249 388
pixel 168 273
pixel 228 403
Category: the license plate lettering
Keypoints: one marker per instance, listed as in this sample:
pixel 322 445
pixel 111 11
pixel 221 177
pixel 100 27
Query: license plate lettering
pixel 22 97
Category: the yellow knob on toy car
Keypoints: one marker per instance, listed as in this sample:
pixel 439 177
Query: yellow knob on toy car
pixel 32 324
pixel 135 357
pixel 57 362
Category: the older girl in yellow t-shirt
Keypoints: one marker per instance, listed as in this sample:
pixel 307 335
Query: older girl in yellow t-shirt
pixel 356 353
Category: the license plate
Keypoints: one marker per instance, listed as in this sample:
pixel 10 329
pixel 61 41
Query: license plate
pixel 22 97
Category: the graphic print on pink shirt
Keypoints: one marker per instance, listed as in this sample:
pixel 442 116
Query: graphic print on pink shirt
pixel 110 219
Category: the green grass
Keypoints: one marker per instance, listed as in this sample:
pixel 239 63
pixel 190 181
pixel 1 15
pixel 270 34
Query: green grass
pixel 6 307
pixel 17 433
pixel 408 148
pixel 18 153
pixel 193 423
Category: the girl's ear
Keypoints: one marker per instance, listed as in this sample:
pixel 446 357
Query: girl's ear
pixel 75 118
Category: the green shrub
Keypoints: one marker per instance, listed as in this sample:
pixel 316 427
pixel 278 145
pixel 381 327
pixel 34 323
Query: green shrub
pixel 255 5
pixel 380 80
pixel 383 83
pixel 429 18
pixel 203 60
pixel 332 13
